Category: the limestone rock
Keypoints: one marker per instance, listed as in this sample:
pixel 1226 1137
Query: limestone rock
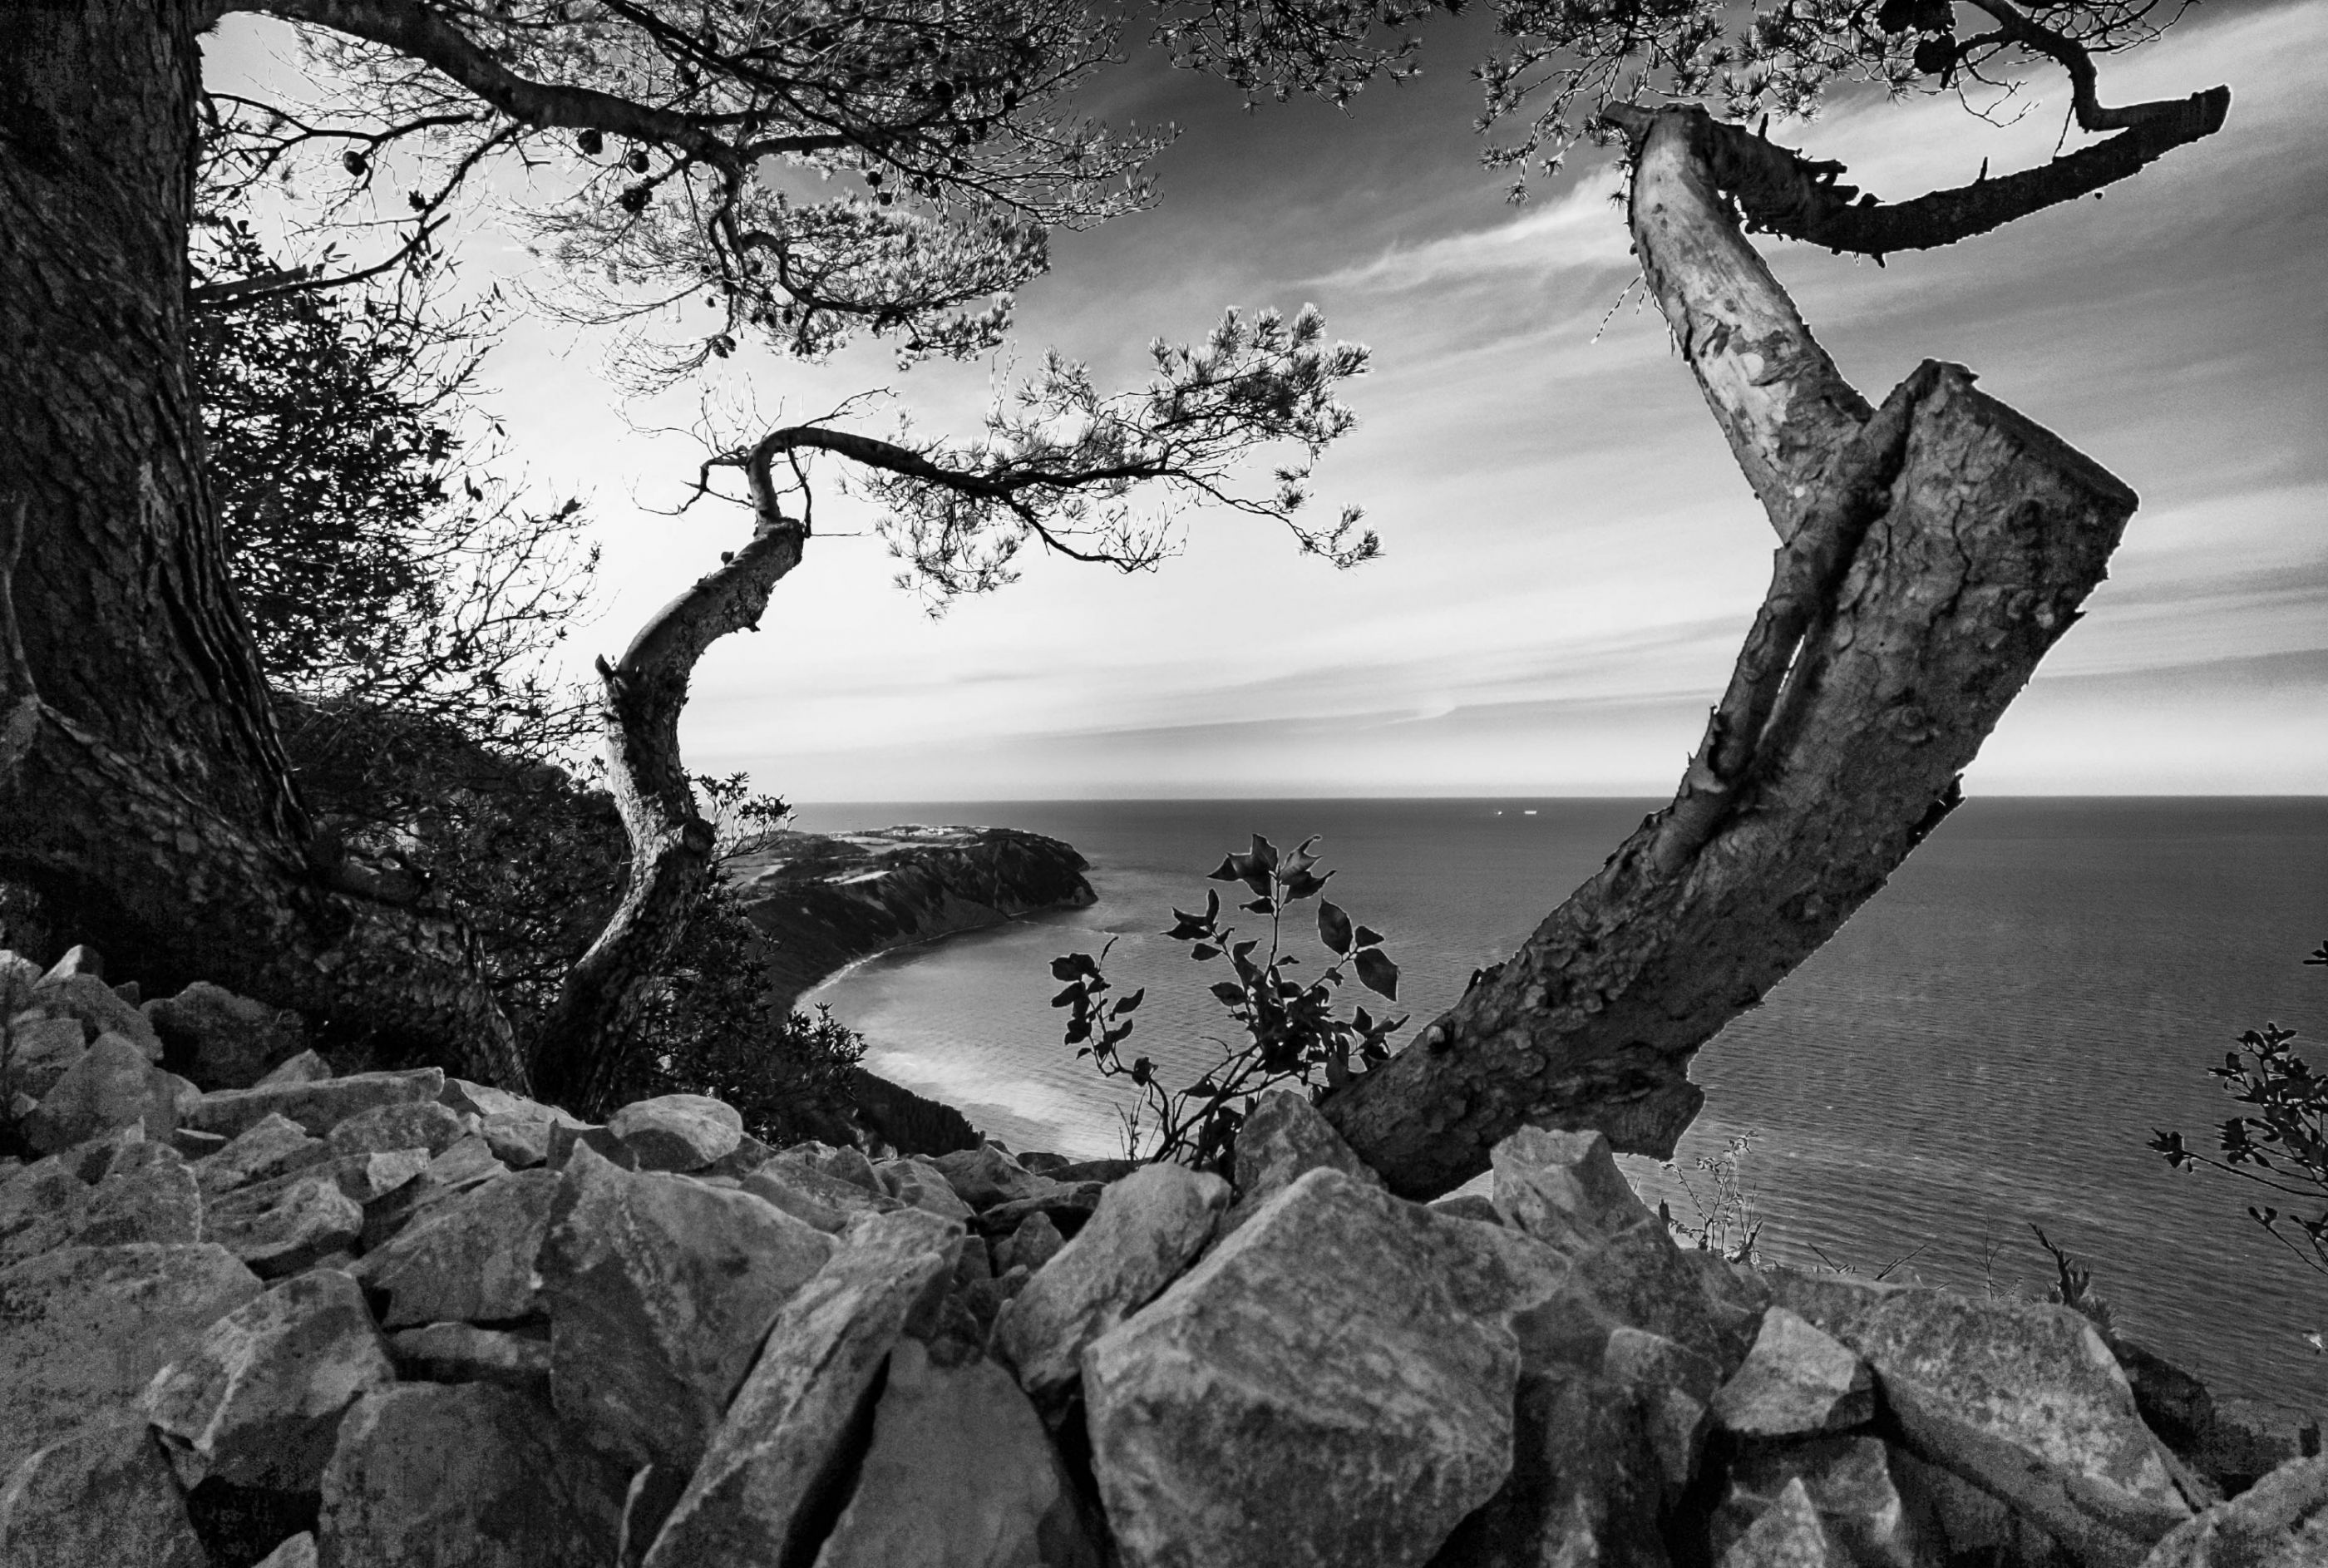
pixel 464 1353
pixel 1148 1228
pixel 83 1328
pixel 917 1183
pixel 258 1402
pixel 306 1067
pixel 226 1041
pixel 1796 1382
pixel 2280 1522
pixel 1563 1187
pixel 813 1195
pixel 1283 1139
pixel 412 1125
pixel 847 1164
pixel 111 1084
pixel 766 1477
pixel 1788 1535
pixel 102 1498
pixel 961 1475
pixel 39 1203
pixel 317 1106
pixel 281 1226
pixel 985 1176
pixel 677 1131
pixel 2020 1397
pixel 148 1194
pixel 99 1008
pixel 1673 1385
pixel 269 1147
pixel 464 1163
pixel 1639 1279
pixel 471 1259
pixel 517 1141
pixel 40 1050
pixel 1310 1393
pixel 429 1473
pixel 1035 1242
pixel 1849 1482
pixel 660 1291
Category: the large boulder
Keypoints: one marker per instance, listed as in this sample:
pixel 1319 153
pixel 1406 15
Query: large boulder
pixel 102 1498
pixel 2020 1397
pixel 1281 1140
pixel 404 1124
pixel 1796 1382
pixel 660 1291
pixel 317 1106
pixel 224 1041
pixel 917 1183
pixel 281 1226
pixel 83 1329
pixel 961 1475
pixel 1310 1393
pixel 1563 1187
pixel 813 1195
pixel 111 1084
pixel 1788 1535
pixel 2280 1522
pixel 767 1481
pixel 428 1474
pixel 270 1147
pixel 986 1176
pixel 258 1402
pixel 1146 1229
pixel 39 1050
pixel 677 1131
pixel 98 1007
pixel 1849 1482
pixel 470 1259
pixel 146 1194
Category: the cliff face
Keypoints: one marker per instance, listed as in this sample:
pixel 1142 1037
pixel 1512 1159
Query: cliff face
pixel 822 901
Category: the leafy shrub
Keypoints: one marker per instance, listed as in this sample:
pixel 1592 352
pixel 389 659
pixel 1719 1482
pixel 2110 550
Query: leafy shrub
pixel 2283 1145
pixel 1291 1032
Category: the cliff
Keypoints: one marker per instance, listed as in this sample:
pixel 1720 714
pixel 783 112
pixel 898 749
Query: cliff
pixel 822 901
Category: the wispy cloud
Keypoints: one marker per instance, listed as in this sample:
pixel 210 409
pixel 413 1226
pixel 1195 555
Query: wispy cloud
pixel 1576 231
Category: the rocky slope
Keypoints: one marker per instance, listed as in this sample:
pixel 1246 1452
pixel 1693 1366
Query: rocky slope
pixel 397 1320
pixel 823 901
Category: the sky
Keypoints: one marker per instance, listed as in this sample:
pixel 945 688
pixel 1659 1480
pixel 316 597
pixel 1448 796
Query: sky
pixel 1571 555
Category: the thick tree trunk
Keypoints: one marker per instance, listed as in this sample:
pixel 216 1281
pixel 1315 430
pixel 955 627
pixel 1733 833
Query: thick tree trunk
pixel 1933 551
pixel 142 787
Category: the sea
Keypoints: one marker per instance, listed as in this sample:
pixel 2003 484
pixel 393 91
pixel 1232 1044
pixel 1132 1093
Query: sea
pixel 1986 1047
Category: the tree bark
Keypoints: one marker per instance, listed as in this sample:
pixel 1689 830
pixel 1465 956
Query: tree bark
pixel 1933 550
pixel 143 790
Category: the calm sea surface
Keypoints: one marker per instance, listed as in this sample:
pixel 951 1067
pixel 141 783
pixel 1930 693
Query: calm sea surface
pixel 1989 1042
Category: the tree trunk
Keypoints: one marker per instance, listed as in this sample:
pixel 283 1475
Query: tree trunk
pixel 1932 551
pixel 142 791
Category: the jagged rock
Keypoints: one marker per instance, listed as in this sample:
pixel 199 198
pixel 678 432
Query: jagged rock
pixel 196 1145
pixel 102 1498
pixel 1796 1382
pixel 2280 1522
pixel 85 1328
pixel 984 1299
pixel 985 1176
pixel 93 1160
pixel 2020 1397
pixel 767 1476
pixel 258 1401
pixel 2250 1440
pixel 1079 1170
pixel 39 1204
pixel 306 1067
pixel 518 1142
pixel 483 1101
pixel 281 1226
pixel 811 1194
pixel 960 1475
pixel 847 1164
pixel 1967 1524
pixel 1147 1229
pixel 1674 1384
pixel 40 1050
pixel 1471 1205
pixel 366 1177
pixel 1283 1139
pixel 1639 1279
pixel 1067 1206
pixel 677 1131
pixel 464 1353
pixel 111 1084
pixel 317 1106
pixel 1035 1242
pixel 226 1041
pixel 80 958
pixel 749 1155
pixel 464 1163
pixel 1849 1483
pixel 1309 1392
pixel 100 1011
pixel 148 1194
pixel 296 1551
pixel 470 1260
pixel 432 1473
pixel 269 1147
pixel 917 1183
pixel 661 1290
pixel 1786 1535
pixel 412 1124
pixel 1563 1187
pixel 566 1137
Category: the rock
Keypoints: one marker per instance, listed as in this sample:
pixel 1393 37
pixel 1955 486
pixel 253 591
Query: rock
pixel 677 1131
pixel 960 1475
pixel 271 1147
pixel 366 1177
pixel 39 1203
pixel 464 1353
pixel 258 1401
pixel 101 1011
pixel 2280 1522
pixel 1067 1206
pixel 148 1195
pixel 1849 1483
pixel 410 1124
pixel 482 1101
pixel 316 1106
pixel 85 1328
pixel 297 1552
pixel 464 1163
pixel 224 1040
pixel 79 959
pixel 431 1473
pixel 196 1145
pixel 471 1259
pixel 1283 1139
pixel 1966 1524
pixel 985 1176
pixel 1471 1205
pixel 1078 1170
pixel 40 1050
pixel 2020 1397
pixel 1035 1242
pixel 98 1498
pixel 1673 1385
pixel 111 1084
pixel 766 1480
pixel 660 1292
pixel 1563 1187
pixel 1796 1382
pixel 281 1226
pixel 1146 1229
pixel 518 1142
pixel 1310 1393
pixel 814 1196
pixel 306 1067
pixel 749 1155
pixel 846 1164
pixel 1786 1535
pixel 565 1137
pixel 2249 1440
pixel 918 1183
pixel 1638 1278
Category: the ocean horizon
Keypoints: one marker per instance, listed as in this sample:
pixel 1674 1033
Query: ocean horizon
pixel 1987 1045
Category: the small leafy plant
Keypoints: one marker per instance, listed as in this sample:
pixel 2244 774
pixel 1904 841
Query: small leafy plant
pixel 2283 1145
pixel 1726 1222
pixel 1290 1031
